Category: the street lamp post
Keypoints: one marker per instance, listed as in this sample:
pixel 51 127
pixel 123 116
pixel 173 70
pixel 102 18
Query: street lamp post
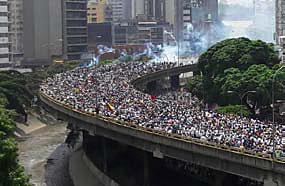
pixel 241 96
pixel 273 117
pixel 178 48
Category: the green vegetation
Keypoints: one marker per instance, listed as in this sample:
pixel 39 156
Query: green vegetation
pixel 105 62
pixel 16 93
pixel 11 173
pixel 233 67
pixel 234 110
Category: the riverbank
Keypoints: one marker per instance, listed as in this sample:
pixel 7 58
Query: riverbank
pixel 33 124
pixel 40 143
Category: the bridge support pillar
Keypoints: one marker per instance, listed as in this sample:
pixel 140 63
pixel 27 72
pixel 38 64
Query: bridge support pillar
pixel 84 141
pixel 220 178
pixel 174 82
pixel 271 181
pixel 104 154
pixel 146 169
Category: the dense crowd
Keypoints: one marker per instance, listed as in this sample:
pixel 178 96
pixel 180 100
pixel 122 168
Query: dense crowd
pixel 107 90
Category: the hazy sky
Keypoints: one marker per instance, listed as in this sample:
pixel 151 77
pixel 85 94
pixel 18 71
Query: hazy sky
pixel 240 2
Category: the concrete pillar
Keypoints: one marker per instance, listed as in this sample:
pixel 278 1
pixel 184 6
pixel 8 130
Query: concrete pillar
pixel 85 140
pixel 270 181
pixel 146 169
pixel 174 82
pixel 104 154
pixel 220 178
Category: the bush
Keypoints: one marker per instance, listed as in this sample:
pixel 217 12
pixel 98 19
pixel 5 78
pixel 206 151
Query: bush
pixel 235 110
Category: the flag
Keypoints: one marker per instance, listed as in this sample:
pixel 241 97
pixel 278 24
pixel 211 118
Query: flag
pixel 152 98
pixel 110 107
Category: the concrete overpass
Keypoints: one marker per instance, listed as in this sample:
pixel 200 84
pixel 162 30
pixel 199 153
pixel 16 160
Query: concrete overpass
pixel 149 81
pixel 229 160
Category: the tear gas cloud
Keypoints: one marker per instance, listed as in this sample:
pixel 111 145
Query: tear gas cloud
pixel 256 23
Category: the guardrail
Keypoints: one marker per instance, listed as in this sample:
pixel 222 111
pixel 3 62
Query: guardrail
pixel 181 69
pixel 188 139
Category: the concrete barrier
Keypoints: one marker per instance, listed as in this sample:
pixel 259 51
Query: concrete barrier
pixel 84 173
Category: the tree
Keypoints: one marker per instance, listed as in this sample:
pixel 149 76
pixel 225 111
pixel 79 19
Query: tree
pixel 234 110
pixel 195 86
pixel 238 53
pixel 239 65
pixel 11 173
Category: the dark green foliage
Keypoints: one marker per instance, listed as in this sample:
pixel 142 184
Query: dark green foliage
pixel 234 110
pixel 240 65
pixel 13 89
pixel 11 173
pixel 105 62
pixel 16 92
pixel 236 53
pixel 195 86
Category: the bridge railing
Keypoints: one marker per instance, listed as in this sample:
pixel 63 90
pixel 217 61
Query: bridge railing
pixel 188 139
pixel 180 69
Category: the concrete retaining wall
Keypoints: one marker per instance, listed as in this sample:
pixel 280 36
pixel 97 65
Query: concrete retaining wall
pixel 104 179
pixel 84 173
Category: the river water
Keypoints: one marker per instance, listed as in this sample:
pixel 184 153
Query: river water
pixel 45 157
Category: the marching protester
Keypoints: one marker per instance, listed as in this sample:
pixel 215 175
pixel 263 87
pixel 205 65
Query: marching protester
pixel 107 91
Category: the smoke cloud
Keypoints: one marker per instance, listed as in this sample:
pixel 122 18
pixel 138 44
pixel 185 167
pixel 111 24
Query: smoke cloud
pixel 254 21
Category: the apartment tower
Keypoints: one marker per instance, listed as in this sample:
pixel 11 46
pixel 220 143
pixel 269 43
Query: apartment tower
pixel 55 28
pixel 4 34
pixel 74 28
pixel 279 35
pixel 16 24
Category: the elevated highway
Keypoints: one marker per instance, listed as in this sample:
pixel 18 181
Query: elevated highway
pixel 222 158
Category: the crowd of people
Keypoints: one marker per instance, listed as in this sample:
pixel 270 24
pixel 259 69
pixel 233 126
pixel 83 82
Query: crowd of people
pixel 107 91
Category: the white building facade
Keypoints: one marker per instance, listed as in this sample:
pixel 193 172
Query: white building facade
pixel 16 26
pixel 4 34
pixel 280 27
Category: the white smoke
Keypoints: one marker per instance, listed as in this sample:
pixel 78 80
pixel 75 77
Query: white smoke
pixel 186 50
pixel 246 19
pixel 101 49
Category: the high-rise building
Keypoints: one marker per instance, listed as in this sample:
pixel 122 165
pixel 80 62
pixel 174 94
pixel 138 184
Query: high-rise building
pixel 15 16
pixel 55 28
pixel 42 29
pixel 155 9
pixel 74 28
pixel 4 33
pixel 139 32
pixel 280 20
pixel 99 11
pixel 92 12
pixel 199 13
pixel 137 7
pixel 170 11
pixel 280 26
pixel 121 9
